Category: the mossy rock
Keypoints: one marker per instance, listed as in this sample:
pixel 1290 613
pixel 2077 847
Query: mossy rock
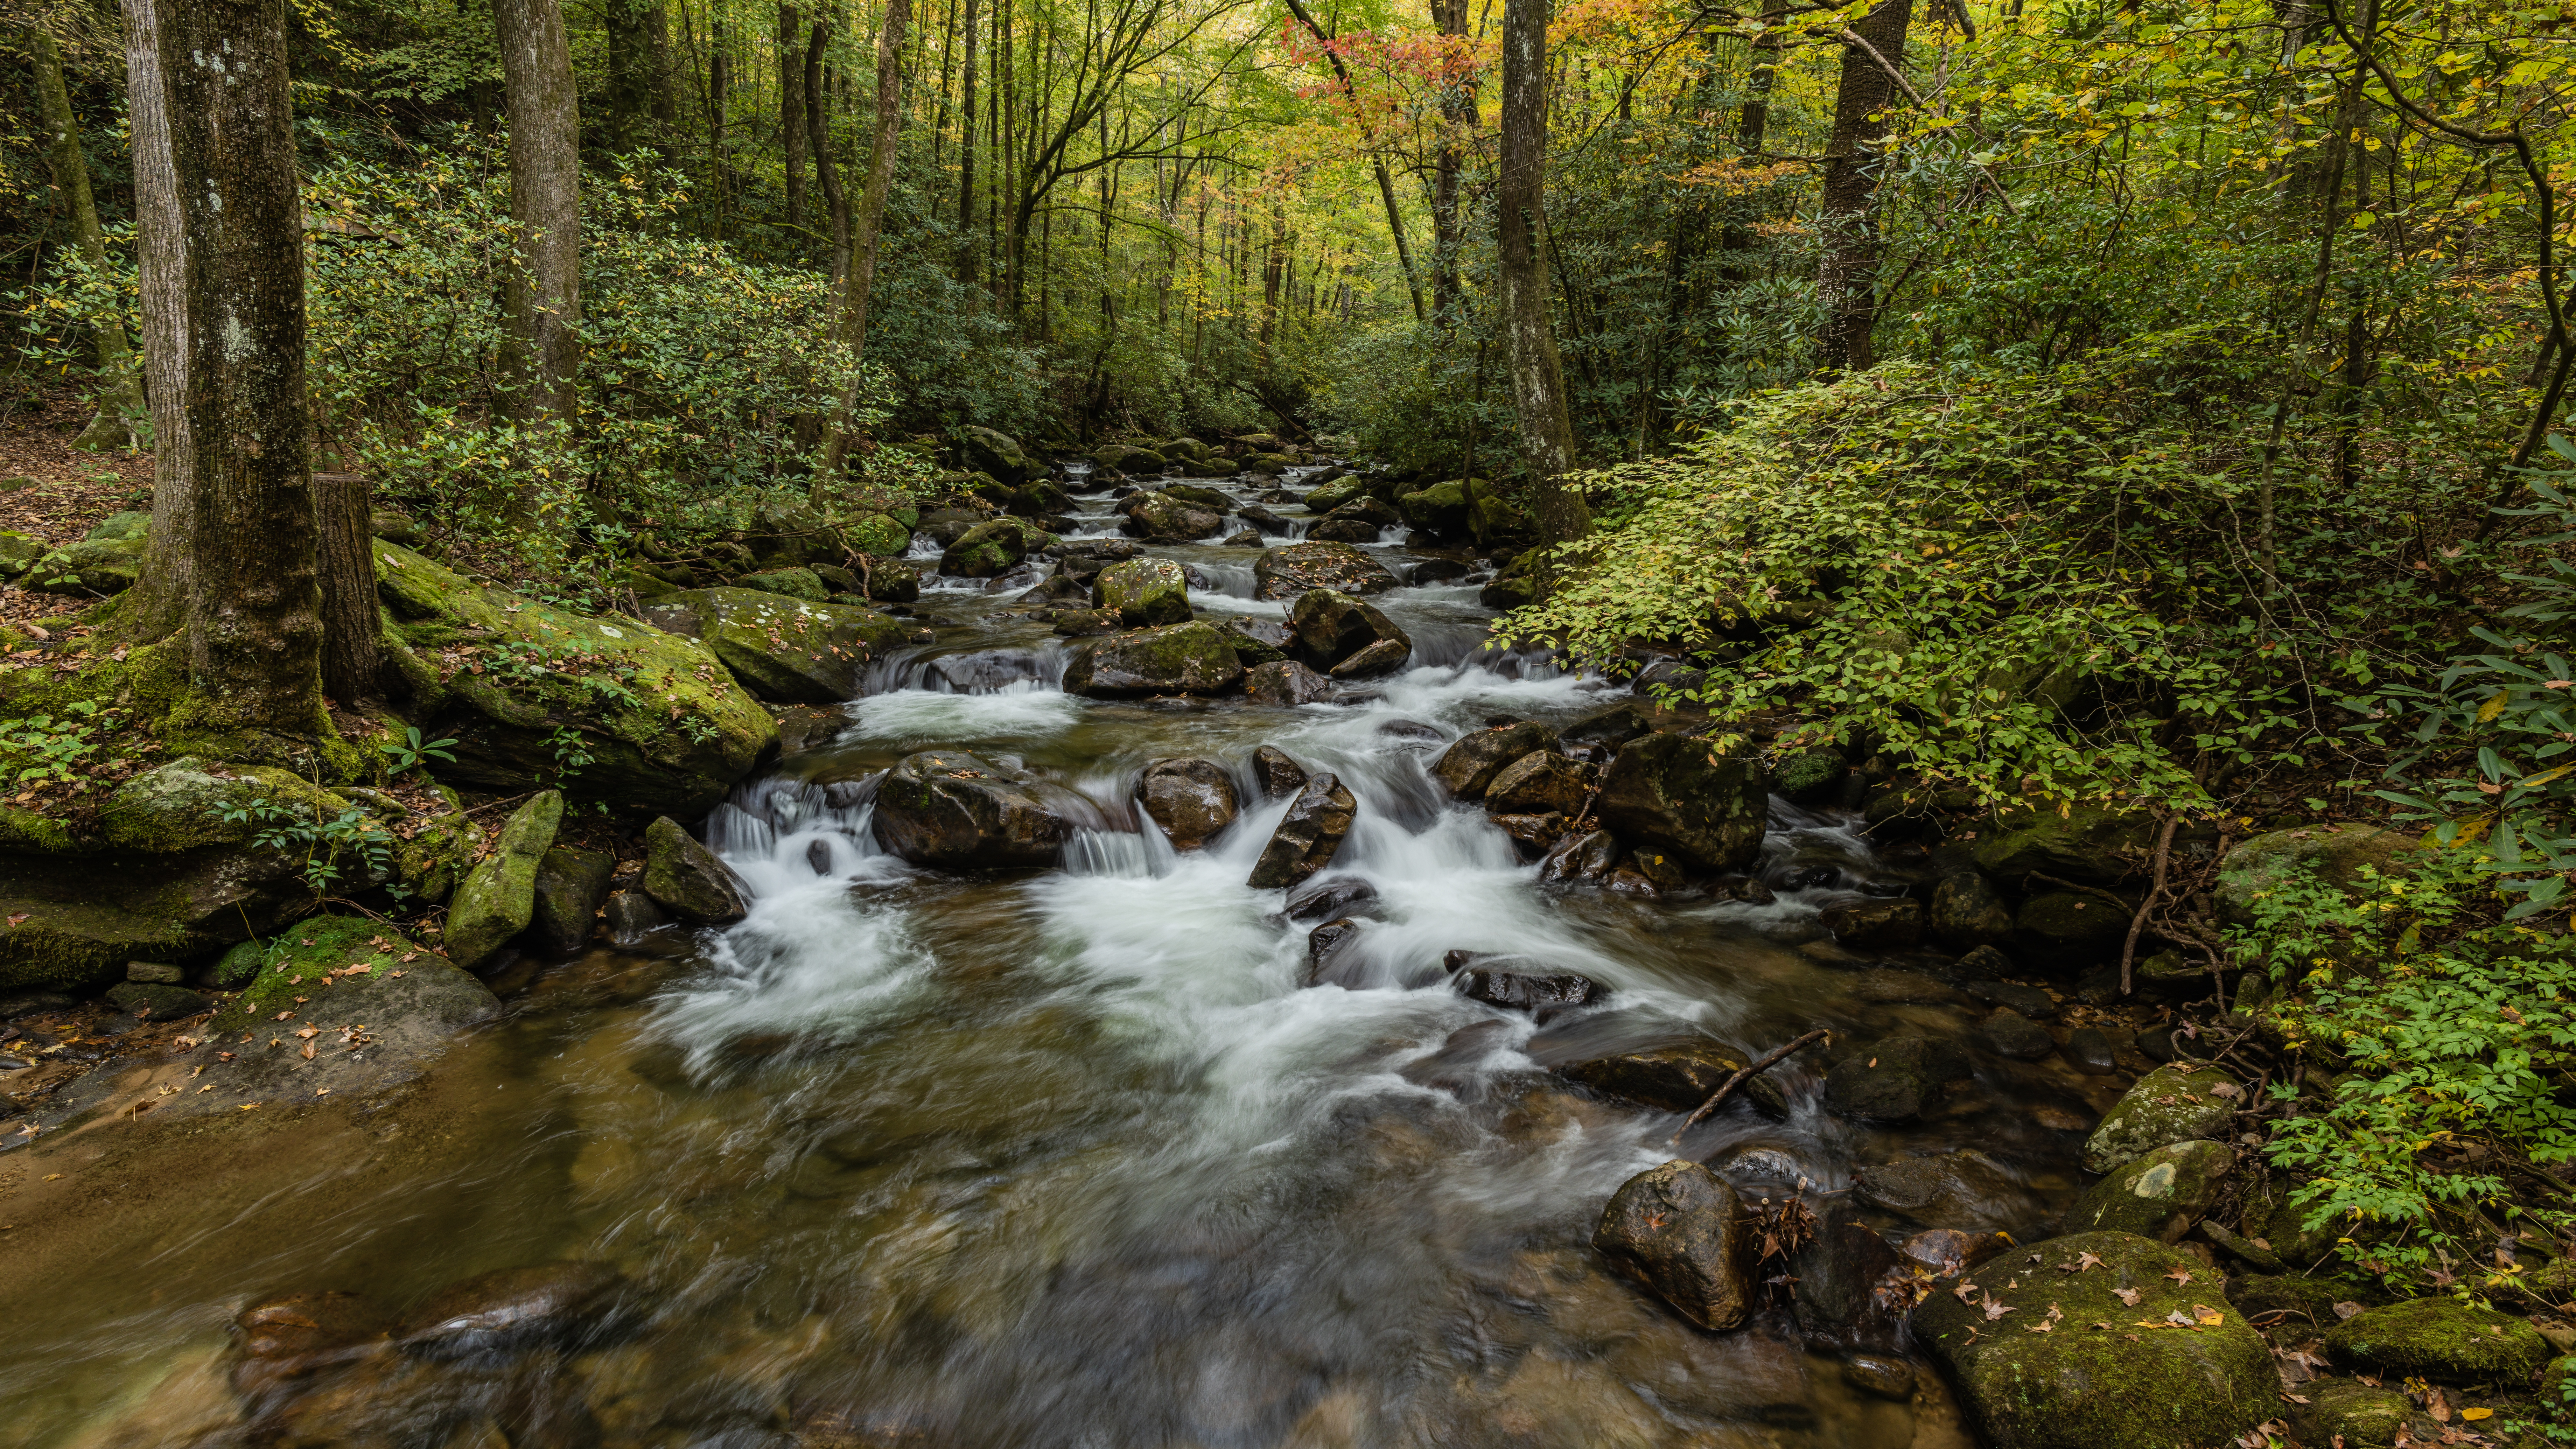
pixel 796 583
pixel 439 852
pixel 2354 1415
pixel 1333 495
pixel 2159 1195
pixel 998 454
pixel 1440 508
pixel 1493 518
pixel 98 566
pixel 1203 497
pixel 2143 1382
pixel 2179 1103
pixel 1143 591
pixel 784 649
pixel 18 552
pixel 120 528
pixel 499 895
pixel 987 551
pixel 1191 658
pixel 2261 1295
pixel 404 1005
pixel 2086 843
pixel 666 726
pixel 880 535
pixel 2336 854
pixel 2442 1339
pixel 1808 774
pixel 181 805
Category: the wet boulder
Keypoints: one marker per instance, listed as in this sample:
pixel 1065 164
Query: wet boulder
pixel 1285 683
pixel 1538 991
pixel 1308 835
pixel 1578 859
pixel 631 916
pixel 1294 569
pixel 780 648
pixel 1677 794
pixel 1966 1190
pixel 1159 517
pixel 953 809
pixel 2168 1105
pixel 158 1000
pixel 2338 855
pixel 1841 1274
pixel 514 1309
pixel 1809 776
pixel 1324 948
pixel 288 1337
pixel 1681 1232
pixel 1898 1080
pixel 990 549
pixel 987 450
pixel 1540 782
pixel 1333 626
pixel 1343 530
pixel 2159 1195
pixel 2065 931
pixel 2030 1001
pixel 1440 509
pixel 689 880
pixel 1333 898
pixel 2008 1033
pixel 1039 498
pixel 1280 776
pixel 1143 591
pixel 1876 925
pixel 2199 1376
pixel 1968 912
pixel 1667 1078
pixel 1259 641
pixel 1188 658
pixel 1533 835
pixel 499 895
pixel 1378 660
pixel 2442 1339
pixel 1263 520
pixel 1468 766
pixel 1606 730
pixel 2087 844
pixel 1190 798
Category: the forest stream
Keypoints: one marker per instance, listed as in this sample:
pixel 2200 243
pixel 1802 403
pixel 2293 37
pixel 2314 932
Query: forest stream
pixel 1065 1157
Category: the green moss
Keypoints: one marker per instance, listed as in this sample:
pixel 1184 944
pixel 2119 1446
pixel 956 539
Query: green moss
pixel 499 895
pixel 1808 771
pixel 79 945
pixel 294 961
pixel 2336 853
pixel 2440 1338
pixel 1144 591
pixel 34 834
pixel 181 805
pixel 881 535
pixel 796 583
pixel 1336 493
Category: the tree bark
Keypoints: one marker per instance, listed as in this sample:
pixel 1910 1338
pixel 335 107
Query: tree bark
pixel 1847 280
pixel 634 77
pixel 224 243
pixel 966 157
pixel 791 109
pixel 1458 119
pixel 344 519
pixel 120 399
pixel 818 134
pixel 542 295
pixel 159 600
pixel 1538 380
pixel 864 223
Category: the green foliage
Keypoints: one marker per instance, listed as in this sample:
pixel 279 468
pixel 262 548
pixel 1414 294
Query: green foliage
pixel 38 748
pixel 2456 1030
pixel 329 844
pixel 408 752
pixel 2020 581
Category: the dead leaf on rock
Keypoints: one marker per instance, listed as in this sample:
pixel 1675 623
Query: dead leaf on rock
pixel 2128 1296
pixel 1995 1310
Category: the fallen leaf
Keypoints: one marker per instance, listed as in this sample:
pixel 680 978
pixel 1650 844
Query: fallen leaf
pixel 310 1032
pixel 2473 1415
pixel 1966 1291
pixel 2129 1296
pixel 1995 1310
pixel 2209 1317
pixel 308 1051
pixel 53 1177
pixel 399 973
pixel 2178 1319
pixel 2346 1309
pixel 321 1091
pixel 282 1016
pixel 2181 1277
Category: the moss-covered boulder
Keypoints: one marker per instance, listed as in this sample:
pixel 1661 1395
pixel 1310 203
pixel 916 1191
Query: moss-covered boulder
pixel 93 565
pixel 2109 1339
pixel 1191 658
pixel 2354 1415
pixel 1493 518
pixel 510 679
pixel 2085 843
pixel 1517 584
pixel 879 535
pixel 2159 1195
pixel 1326 497
pixel 1290 570
pixel 2339 855
pixel 1161 517
pixel 1808 775
pixel 999 454
pixel 691 880
pixel 784 649
pixel 499 895
pixel 1193 494
pixel 2179 1103
pixel 18 551
pixel 1439 509
pixel 2067 931
pixel 1680 795
pixel 986 551
pixel 2443 1339
pixel 793 583
pixel 1143 591
pixel 572 883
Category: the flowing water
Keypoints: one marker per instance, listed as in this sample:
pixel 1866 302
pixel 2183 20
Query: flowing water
pixel 1069 1157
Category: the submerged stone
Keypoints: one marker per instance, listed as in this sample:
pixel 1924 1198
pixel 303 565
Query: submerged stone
pixel 1680 1231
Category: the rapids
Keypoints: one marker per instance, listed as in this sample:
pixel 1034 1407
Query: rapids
pixel 1071 1158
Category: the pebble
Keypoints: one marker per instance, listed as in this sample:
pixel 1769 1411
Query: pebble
pixel 1884 1378
pixel 2090 1051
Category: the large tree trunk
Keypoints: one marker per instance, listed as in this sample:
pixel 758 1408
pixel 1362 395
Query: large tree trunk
pixel 865 221
pixel 791 109
pixel 1538 382
pixel 1847 281
pixel 818 134
pixel 344 515
pixel 1458 122
pixel 634 77
pixel 120 399
pixel 222 254
pixel 158 605
pixel 543 294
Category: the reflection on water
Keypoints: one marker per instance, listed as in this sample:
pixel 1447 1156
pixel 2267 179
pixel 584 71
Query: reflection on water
pixel 1059 1158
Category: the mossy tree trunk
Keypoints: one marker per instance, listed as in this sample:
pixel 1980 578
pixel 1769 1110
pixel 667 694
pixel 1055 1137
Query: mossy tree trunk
pixel 865 219
pixel 543 295
pixel 120 399
pixel 1538 380
pixel 344 512
pixel 222 257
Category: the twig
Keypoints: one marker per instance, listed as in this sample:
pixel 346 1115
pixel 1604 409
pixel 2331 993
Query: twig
pixel 2112 897
pixel 1776 1057
pixel 2155 893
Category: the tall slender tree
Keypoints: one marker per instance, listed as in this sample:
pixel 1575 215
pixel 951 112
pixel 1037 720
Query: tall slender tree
pixel 791 107
pixel 542 294
pixel 818 136
pixel 120 400
pixel 1458 123
pixel 1529 334
pixel 221 251
pixel 865 222
pixel 1847 214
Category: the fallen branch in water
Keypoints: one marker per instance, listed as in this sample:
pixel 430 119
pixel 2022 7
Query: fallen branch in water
pixel 1776 1056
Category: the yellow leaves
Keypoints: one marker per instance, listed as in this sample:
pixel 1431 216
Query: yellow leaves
pixel 2495 706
